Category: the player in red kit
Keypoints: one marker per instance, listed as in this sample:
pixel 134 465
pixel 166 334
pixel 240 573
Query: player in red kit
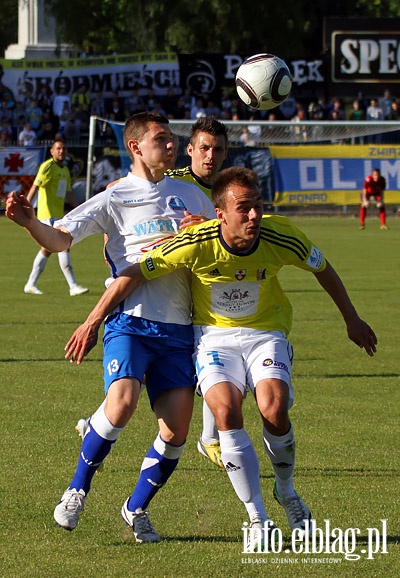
pixel 374 186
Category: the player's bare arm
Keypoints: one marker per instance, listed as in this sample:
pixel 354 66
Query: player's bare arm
pixel 358 330
pixel 20 210
pixel 85 337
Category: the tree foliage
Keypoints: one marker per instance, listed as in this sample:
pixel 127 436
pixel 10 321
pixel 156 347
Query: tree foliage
pixel 210 26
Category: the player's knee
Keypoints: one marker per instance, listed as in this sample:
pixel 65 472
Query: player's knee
pixel 228 417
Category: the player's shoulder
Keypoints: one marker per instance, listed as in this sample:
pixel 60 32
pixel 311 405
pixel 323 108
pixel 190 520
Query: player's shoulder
pixel 178 173
pixel 181 186
pixel 47 165
pixel 277 223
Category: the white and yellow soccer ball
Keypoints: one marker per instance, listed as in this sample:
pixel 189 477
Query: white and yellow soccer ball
pixel 263 81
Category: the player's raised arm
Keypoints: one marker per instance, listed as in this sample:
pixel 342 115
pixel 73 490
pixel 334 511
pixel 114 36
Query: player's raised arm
pixel 358 330
pixel 20 210
pixel 85 337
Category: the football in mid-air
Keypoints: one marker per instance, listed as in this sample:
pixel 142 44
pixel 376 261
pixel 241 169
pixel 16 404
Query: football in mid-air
pixel 263 81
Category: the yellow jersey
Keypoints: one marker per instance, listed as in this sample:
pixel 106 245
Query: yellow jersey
pixel 54 182
pixel 188 175
pixel 231 289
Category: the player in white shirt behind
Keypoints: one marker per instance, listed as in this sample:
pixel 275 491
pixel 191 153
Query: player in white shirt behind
pixel 151 332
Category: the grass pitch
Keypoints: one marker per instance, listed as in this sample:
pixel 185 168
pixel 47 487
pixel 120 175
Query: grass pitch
pixel 346 419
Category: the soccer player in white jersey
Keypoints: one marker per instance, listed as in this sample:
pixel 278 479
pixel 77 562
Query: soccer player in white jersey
pixel 151 333
pixel 242 319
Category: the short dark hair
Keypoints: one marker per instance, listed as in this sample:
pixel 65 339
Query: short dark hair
pixel 137 125
pixel 210 125
pixel 232 176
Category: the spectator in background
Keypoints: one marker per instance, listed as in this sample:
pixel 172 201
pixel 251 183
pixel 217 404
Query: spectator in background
pixel 27 136
pixel 80 99
pixel 131 102
pixel 65 116
pixel 212 109
pixel 72 133
pixel 116 111
pixel 169 102
pixel 44 97
pixel 149 99
pixel 386 104
pixel 34 115
pixel 5 112
pixel 6 133
pixel 226 101
pixel 374 113
pixel 97 105
pixel 357 113
pixel 198 110
pixel 59 102
pixel 363 103
pixel 288 108
pixel 336 112
pixel 188 98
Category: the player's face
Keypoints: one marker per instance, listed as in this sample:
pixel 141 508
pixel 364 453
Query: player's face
pixel 241 218
pixel 58 152
pixel 375 175
pixel 156 149
pixel 208 153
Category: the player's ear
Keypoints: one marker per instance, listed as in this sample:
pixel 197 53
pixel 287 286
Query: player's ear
pixel 189 149
pixel 220 214
pixel 133 146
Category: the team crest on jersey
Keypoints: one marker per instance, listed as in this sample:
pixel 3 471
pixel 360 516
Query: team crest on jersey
pixel 240 274
pixel 261 274
pixel 176 204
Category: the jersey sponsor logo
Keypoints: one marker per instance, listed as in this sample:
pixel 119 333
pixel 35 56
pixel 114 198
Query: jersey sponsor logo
pixel 273 363
pixel 261 274
pixel 315 259
pixel 132 201
pixel 232 301
pixel 176 204
pixel 156 226
pixel 240 274
pixel 149 264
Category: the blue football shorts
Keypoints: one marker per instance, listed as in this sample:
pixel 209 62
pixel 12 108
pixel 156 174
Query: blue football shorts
pixel 134 346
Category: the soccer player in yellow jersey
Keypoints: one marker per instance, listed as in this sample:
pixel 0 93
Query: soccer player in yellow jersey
pixel 241 319
pixel 53 181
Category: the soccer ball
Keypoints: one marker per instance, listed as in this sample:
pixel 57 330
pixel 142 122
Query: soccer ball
pixel 263 81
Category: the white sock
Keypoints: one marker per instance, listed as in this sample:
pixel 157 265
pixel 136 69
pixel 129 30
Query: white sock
pixel 281 450
pixel 209 435
pixel 66 267
pixel 37 269
pixel 102 425
pixel 241 463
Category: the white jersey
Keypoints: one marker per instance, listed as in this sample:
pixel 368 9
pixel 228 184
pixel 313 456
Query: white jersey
pixel 137 215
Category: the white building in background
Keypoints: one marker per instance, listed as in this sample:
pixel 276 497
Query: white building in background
pixel 36 33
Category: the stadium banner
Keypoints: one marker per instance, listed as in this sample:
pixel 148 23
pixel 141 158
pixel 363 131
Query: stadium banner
pixel 101 74
pixel 18 168
pixel 332 174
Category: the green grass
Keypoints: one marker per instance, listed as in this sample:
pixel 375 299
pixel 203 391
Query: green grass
pixel 346 418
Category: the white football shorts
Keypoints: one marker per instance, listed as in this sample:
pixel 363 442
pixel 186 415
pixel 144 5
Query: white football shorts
pixel 242 356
